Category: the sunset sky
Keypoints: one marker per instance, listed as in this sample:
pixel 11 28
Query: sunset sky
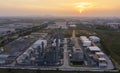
pixel 87 8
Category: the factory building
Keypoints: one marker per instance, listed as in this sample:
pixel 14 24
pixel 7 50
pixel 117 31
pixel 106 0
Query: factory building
pixel 92 50
pixel 33 53
pixel 18 47
pixel 94 39
pixel 102 62
pixel 25 55
pixel 42 52
pixel 39 49
pixel 85 41
pixel 100 58
pixel 77 54
pixel 100 54
pixel 97 55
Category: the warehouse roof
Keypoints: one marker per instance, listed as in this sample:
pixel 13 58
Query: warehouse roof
pixel 94 48
pixel 84 38
pixel 102 59
pixel 94 37
pixel 99 53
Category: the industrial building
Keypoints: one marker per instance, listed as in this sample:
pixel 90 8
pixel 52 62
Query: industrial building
pixel 18 47
pixel 93 49
pixel 100 54
pixel 85 41
pixel 94 39
pixel 51 51
pixel 102 62
pixel 42 52
pixel 97 56
pixel 100 58
pixel 77 54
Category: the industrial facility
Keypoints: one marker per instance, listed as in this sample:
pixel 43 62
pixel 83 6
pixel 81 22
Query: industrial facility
pixel 85 41
pixel 51 51
pixel 83 51
pixel 44 52
pixel 77 56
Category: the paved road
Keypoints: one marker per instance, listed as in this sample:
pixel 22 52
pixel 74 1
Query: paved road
pixel 65 60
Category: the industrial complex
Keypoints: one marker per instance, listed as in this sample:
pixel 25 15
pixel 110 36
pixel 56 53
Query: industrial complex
pixel 45 51
pixel 53 45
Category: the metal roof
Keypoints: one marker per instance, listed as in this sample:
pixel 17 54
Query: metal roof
pixel 94 38
pixel 99 53
pixel 102 59
pixel 84 38
pixel 94 48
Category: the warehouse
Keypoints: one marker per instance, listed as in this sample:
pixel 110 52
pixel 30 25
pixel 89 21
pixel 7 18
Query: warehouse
pixel 85 41
pixel 102 62
pixel 92 50
pixel 100 54
pixel 94 39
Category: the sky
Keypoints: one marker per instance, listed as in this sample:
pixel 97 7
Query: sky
pixel 80 8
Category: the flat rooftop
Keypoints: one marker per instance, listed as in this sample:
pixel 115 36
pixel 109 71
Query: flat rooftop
pixel 94 48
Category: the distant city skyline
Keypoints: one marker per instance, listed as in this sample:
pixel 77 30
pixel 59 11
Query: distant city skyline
pixel 79 8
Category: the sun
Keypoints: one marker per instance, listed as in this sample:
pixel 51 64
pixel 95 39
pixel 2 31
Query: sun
pixel 81 6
